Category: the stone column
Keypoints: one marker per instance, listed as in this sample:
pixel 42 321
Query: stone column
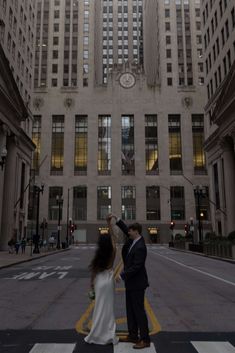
pixel 8 194
pixel 229 181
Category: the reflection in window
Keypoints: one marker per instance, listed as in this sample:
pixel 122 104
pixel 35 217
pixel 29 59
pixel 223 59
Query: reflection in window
pixel 80 203
pixel 80 157
pixel 128 147
pixel 177 203
pixel 104 199
pixel 36 137
pixel 53 206
pixel 175 144
pixel 104 144
pixel 128 202
pixel 151 144
pixel 57 143
pixel 152 202
pixel 198 140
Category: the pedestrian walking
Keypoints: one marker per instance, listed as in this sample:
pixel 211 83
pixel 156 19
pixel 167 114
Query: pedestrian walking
pixel 23 245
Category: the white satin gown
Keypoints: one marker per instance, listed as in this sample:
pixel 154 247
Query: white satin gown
pixel 103 330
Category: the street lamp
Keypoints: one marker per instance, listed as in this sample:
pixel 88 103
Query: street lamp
pixel 199 192
pixel 38 190
pixel 59 201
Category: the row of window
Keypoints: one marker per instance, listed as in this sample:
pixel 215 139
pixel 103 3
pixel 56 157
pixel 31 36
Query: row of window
pixel 218 74
pixel 104 201
pixel 127 152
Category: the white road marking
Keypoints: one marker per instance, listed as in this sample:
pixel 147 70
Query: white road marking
pixel 213 347
pixel 127 348
pixel 195 269
pixel 53 348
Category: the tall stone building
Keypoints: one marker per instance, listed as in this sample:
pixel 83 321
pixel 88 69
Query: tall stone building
pixel 219 47
pixel 17 37
pixel 118 105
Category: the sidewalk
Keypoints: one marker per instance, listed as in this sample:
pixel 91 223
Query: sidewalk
pixel 7 260
pixel 204 255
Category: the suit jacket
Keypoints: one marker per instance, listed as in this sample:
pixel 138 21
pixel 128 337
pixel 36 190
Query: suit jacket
pixel 134 274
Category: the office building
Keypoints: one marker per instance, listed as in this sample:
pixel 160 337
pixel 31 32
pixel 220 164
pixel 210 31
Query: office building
pixel 118 106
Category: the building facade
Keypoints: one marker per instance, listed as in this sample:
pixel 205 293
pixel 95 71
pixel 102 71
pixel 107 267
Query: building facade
pixel 219 54
pixel 15 158
pixel 118 105
pixel 17 47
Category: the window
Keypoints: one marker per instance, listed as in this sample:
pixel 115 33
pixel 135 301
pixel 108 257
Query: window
pixel 53 212
pixel 153 203
pixel 104 199
pixel 128 202
pixel 128 147
pixel 81 144
pixel 80 203
pixel 198 141
pixel 175 153
pixel 104 144
pixel 151 144
pixel 36 138
pixel 57 143
pixel 177 203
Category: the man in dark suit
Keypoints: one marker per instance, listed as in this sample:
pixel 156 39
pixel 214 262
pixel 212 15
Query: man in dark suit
pixel 134 274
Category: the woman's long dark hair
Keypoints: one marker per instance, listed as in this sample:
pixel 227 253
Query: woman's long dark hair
pixel 103 254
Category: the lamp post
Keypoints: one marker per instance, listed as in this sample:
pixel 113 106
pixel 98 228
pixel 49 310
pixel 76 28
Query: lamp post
pixel 38 190
pixel 199 192
pixel 59 201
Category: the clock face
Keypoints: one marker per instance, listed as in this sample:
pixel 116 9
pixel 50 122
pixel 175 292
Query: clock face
pixel 127 80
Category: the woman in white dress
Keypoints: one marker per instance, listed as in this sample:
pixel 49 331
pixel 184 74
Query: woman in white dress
pixel 103 330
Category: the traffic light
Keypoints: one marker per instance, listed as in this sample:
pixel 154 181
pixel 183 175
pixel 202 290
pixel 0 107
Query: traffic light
pixel 172 225
pixel 72 228
pixel 186 228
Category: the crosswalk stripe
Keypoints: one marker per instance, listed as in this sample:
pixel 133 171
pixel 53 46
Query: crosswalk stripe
pixel 213 347
pixel 127 347
pixel 53 348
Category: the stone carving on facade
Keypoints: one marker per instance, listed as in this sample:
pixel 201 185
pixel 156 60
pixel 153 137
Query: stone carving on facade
pixel 187 102
pixel 38 103
pixel 68 103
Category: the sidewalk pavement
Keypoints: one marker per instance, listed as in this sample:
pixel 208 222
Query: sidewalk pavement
pixel 7 260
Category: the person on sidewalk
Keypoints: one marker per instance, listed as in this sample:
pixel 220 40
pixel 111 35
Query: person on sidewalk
pixel 134 253
pixel 23 245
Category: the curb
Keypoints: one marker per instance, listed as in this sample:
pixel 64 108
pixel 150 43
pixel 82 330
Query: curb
pixel 33 258
pixel 204 255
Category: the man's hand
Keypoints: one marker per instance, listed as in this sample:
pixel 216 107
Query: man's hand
pixel 109 217
pixel 118 279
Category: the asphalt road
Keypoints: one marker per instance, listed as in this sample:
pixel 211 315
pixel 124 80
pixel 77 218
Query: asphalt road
pixel 190 304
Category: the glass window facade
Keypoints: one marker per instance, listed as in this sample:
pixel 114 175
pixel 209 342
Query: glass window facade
pixel 53 212
pixel 104 144
pixel 128 146
pixel 177 203
pixel 199 161
pixel 153 203
pixel 128 202
pixel 104 199
pixel 80 203
pixel 57 144
pixel 36 137
pixel 81 145
pixel 175 144
pixel 151 144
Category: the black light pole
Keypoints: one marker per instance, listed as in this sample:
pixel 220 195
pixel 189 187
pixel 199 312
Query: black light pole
pixel 199 192
pixel 38 190
pixel 67 234
pixel 59 201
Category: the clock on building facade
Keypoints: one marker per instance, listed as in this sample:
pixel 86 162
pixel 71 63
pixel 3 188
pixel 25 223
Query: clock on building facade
pixel 127 80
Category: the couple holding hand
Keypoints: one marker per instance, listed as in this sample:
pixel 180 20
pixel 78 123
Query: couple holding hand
pixel 134 252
